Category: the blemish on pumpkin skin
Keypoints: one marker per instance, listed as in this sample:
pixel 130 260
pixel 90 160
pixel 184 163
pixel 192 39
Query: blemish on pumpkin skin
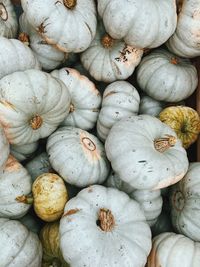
pixel 12 164
pixel 8 104
pixel 153 260
pixel 110 93
pixel 70 212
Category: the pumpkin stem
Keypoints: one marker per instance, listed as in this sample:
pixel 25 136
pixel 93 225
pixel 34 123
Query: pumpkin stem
pixel 70 3
pixel 106 220
pixel 72 108
pixel 36 122
pixel 174 61
pixel 24 38
pixel 3 12
pixel 163 143
pixel 107 41
pixel 178 200
pixel 87 142
pixel 25 199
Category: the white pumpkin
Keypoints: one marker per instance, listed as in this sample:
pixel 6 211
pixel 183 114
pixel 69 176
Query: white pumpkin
pixel 15 56
pixel 109 60
pixel 141 23
pixel 14 182
pixel 85 99
pixel 120 99
pixel 4 149
pixel 78 156
pixel 23 152
pixel 166 77
pixel 8 20
pixel 32 105
pixel 48 56
pixel 185 203
pixel 104 227
pixel 150 106
pixel 19 246
pixel 69 25
pixel 146 153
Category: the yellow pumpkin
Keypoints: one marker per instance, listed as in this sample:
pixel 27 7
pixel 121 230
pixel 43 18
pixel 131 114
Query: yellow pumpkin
pixel 184 120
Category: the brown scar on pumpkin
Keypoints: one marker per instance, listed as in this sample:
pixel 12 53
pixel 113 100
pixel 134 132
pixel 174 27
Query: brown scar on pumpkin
pixel 70 212
pixel 8 104
pixel 90 189
pixel 12 164
pixel 110 93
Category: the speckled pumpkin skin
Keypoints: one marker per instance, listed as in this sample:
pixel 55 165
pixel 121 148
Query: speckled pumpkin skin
pixel 185 121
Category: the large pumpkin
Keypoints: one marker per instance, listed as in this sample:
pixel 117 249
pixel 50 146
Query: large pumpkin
pixel 166 77
pixel 104 227
pixel 32 105
pixel 69 25
pixel 85 99
pixel 140 23
pixel 19 246
pixel 78 156
pixel 146 153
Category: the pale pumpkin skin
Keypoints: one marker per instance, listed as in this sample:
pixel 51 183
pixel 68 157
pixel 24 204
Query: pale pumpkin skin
pixel 23 152
pixel 4 149
pixel 137 145
pixel 185 41
pixel 170 249
pixel 19 246
pixel 120 99
pixel 109 60
pixel 50 239
pixel 8 20
pixel 185 203
pixel 85 99
pixel 78 156
pixel 104 227
pixel 15 56
pixel 150 201
pixel 166 77
pixel 140 23
pixel 48 56
pixel 49 196
pixel 150 106
pixel 32 105
pixel 69 25
pixel 185 121
pixel 14 182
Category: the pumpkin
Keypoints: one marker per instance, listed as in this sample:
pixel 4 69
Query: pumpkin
pixel 150 106
pixel 185 121
pixel 185 41
pixel 31 222
pixel 78 156
pixel 48 56
pixel 15 56
pixel 69 25
pixel 49 197
pixel 39 165
pixel 85 99
pixel 32 105
pixel 120 99
pixel 166 77
pixel 109 60
pixel 8 20
pixel 50 239
pixel 104 227
pixel 163 224
pixel 4 148
pixel 184 200
pixel 14 181
pixel 140 23
pixel 23 152
pixel 19 246
pixel 137 145
pixel 150 201
pixel 170 249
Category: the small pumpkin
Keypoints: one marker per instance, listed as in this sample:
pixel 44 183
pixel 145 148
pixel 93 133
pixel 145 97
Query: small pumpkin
pixel 120 99
pixel 170 249
pixel 185 121
pixel 85 99
pixel 185 200
pixel 56 20
pixel 150 106
pixel 140 23
pixel 32 105
pixel 104 221
pixel 166 77
pixel 4 149
pixel 24 152
pixel 78 156
pixel 8 20
pixel 19 246
pixel 137 145
pixel 108 59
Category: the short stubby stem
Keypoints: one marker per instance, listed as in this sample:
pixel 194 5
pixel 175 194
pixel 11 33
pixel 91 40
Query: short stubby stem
pixel 72 108
pixel 164 143
pixel 178 200
pixel 25 199
pixel 174 61
pixel 70 3
pixel 24 38
pixel 106 220
pixel 36 122
pixel 107 41
pixel 88 143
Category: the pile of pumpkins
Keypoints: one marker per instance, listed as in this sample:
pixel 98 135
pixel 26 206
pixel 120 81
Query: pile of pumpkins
pixel 95 131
